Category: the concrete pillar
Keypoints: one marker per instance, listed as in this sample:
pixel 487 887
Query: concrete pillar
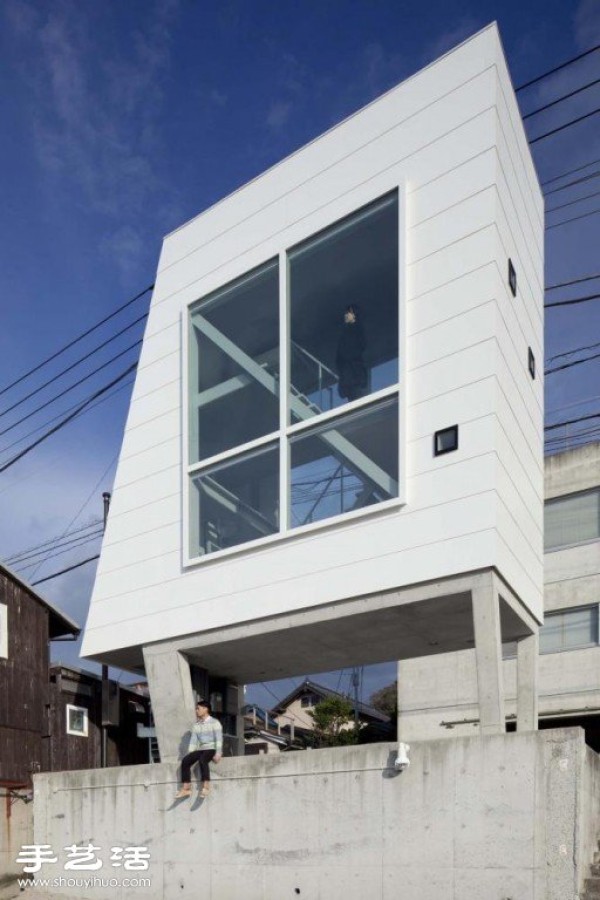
pixel 172 698
pixel 488 654
pixel 527 688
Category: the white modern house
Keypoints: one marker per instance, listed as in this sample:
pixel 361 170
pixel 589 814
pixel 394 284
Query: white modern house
pixel 333 454
pixel 439 699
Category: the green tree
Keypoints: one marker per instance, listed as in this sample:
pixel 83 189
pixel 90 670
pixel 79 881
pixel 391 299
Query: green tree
pixel 331 717
pixel 386 699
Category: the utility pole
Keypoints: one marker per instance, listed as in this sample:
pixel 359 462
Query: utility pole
pixel 105 679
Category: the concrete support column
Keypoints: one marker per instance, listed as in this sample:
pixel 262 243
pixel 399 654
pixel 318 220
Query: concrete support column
pixel 527 687
pixel 172 698
pixel 488 653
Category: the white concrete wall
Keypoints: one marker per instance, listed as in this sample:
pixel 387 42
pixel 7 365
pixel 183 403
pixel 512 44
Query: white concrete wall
pixel 492 817
pixel 16 829
pixel 452 134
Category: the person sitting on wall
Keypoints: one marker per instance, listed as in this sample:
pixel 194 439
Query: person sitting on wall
pixel 351 367
pixel 206 744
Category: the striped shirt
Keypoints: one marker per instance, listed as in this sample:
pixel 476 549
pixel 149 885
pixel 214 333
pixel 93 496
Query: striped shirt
pixel 207 735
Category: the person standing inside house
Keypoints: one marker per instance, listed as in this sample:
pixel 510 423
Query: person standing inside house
pixel 349 358
pixel 206 745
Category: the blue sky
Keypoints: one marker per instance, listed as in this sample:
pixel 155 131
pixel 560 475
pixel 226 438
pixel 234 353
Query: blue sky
pixel 121 120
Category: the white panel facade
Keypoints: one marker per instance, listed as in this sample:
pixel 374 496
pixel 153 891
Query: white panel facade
pixel 450 142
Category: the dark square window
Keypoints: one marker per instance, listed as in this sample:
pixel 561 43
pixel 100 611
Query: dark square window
pixel 512 278
pixel 445 441
pixel 531 362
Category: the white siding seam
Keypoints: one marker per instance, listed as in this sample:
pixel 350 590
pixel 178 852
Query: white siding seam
pixel 442 249
pixel 135 509
pixel 397 126
pixel 534 453
pixel 445 209
pixel 524 573
pixel 517 458
pixel 530 294
pixel 530 382
pixel 411 191
pixel 164 582
pixel 161 415
pixel 538 554
pixel 529 413
pixel 158 359
pixel 530 340
pixel 437 359
pixel 525 157
pixel 537 226
pixel 453 390
pixel 161 387
pixel 125 484
pixel 529 262
pixel 173 438
pixel 463 312
pixel 444 284
pixel 154 334
pixel 138 534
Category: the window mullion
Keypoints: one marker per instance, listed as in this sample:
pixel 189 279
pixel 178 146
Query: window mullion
pixel 284 379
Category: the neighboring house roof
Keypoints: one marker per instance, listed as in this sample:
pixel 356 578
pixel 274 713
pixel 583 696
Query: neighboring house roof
pixel 311 687
pixel 59 623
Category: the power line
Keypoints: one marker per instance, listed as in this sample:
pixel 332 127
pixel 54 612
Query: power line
pixel 546 134
pixel 573 202
pixel 554 287
pixel 573 219
pixel 66 420
pixel 572 421
pixel 76 531
pixel 575 181
pixel 569 62
pixel 69 389
pixel 571 302
pixel 73 365
pixel 76 340
pixel 571 352
pixel 74 544
pixel 64 571
pixel 569 172
pixel 560 99
pixel 570 365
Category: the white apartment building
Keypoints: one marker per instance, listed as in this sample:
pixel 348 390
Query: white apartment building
pixel 333 454
pixel 438 697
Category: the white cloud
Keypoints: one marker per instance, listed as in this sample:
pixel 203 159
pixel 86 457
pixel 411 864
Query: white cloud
pixel 279 113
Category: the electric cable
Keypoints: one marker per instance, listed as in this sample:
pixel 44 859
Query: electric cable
pixel 585 299
pixel 560 99
pixel 554 287
pixel 60 552
pixel 70 388
pixel 571 352
pixel 569 172
pixel 573 202
pixel 586 215
pixel 66 420
pixel 72 366
pixel 582 180
pixel 569 62
pixel 570 365
pixel 51 541
pixel 64 571
pixel 75 340
pixel 572 421
pixel 556 130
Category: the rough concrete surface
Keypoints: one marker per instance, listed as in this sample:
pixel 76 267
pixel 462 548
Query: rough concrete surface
pixel 501 817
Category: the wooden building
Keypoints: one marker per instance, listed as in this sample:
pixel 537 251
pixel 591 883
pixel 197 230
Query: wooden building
pixel 28 623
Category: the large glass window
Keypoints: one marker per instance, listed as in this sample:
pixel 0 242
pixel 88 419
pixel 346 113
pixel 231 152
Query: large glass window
pixel 572 519
pixel 234 364
pixel 345 465
pixel 344 311
pixel 235 502
pixel 273 443
pixel 568 629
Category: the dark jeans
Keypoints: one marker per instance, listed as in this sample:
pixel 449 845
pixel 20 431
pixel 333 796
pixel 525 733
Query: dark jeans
pixel 197 756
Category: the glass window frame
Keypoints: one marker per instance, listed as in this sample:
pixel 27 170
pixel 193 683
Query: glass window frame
pixel 509 648
pixel 287 429
pixel 71 707
pixel 555 501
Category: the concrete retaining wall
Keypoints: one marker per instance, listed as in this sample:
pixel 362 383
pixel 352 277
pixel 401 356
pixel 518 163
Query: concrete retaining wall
pixel 494 817
pixel 16 828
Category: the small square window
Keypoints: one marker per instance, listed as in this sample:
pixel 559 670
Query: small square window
pixel 512 278
pixel 531 362
pixel 77 720
pixel 445 441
